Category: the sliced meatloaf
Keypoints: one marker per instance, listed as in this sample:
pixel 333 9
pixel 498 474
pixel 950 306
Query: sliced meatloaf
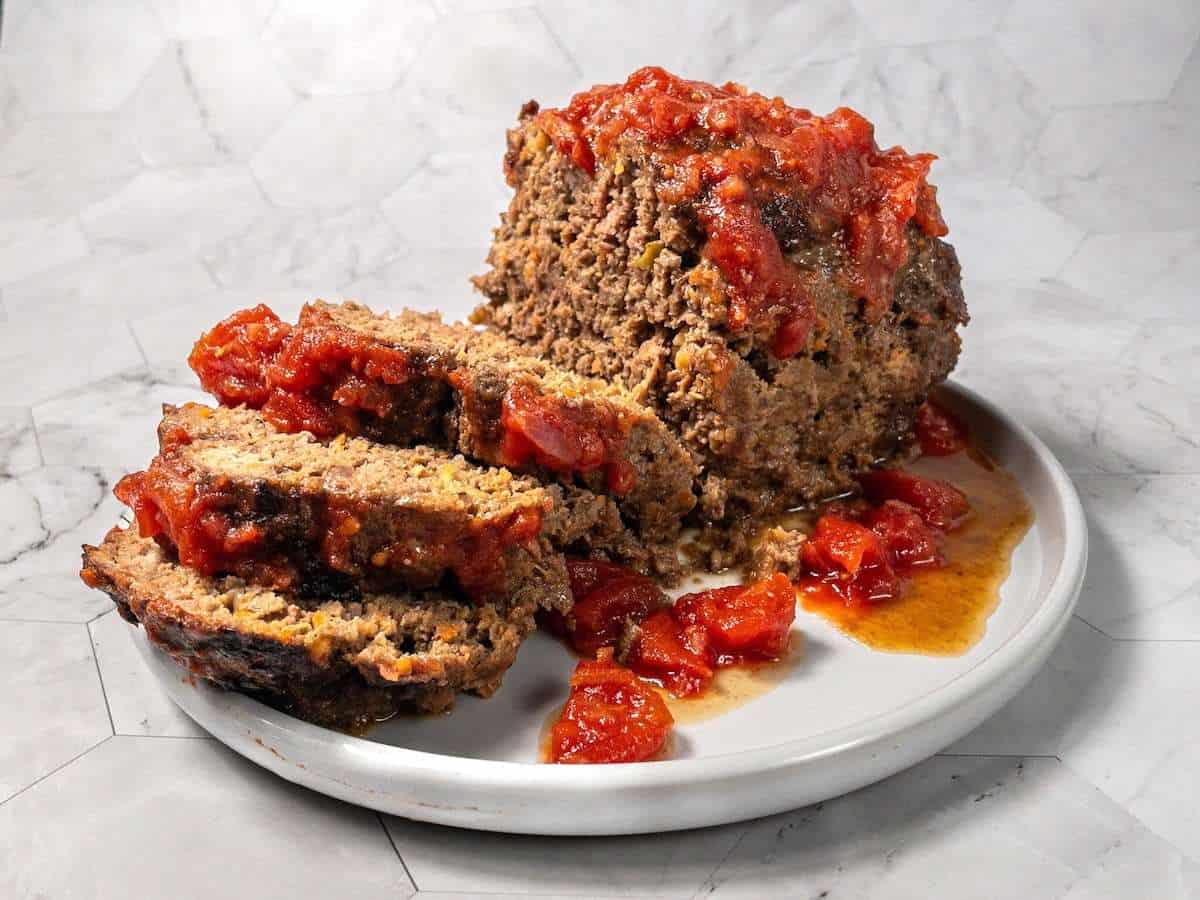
pixel 346 663
pixel 770 282
pixel 410 378
pixel 231 495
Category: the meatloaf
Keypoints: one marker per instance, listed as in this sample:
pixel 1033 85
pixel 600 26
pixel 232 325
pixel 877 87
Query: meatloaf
pixel 410 378
pixel 231 495
pixel 769 281
pixel 346 663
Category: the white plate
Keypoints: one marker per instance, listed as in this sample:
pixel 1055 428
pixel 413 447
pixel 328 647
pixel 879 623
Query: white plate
pixel 845 716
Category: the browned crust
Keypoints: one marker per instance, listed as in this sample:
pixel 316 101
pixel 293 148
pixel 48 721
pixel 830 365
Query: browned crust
pixel 345 686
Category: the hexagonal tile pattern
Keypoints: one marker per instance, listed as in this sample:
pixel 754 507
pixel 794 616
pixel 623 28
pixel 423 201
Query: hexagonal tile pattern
pixel 660 865
pixel 111 423
pixel 430 280
pixel 33 368
pixel 1138 745
pixel 52 167
pixel 1160 269
pixel 962 100
pixel 346 48
pixel 421 216
pixel 1140 177
pixel 18 442
pixel 1085 52
pixel 925 21
pixel 30 246
pixel 193 108
pixel 1111 419
pixel 321 250
pixel 118 799
pixel 467 111
pixel 1071 325
pixel 708 43
pixel 54 708
pixel 339 151
pixel 172 207
pixel 138 704
pixel 100 51
pixel 48 514
pixel 963 827
pixel 83 289
pixel 1144 576
pixel 215 18
pixel 1001 233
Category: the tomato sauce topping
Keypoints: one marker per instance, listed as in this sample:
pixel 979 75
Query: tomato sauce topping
pixel 764 178
pixel 322 378
pixel 611 716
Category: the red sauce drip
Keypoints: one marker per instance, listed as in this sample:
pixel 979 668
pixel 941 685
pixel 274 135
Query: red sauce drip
pixel 734 155
pixel 319 377
pixel 611 716
pixel 205 524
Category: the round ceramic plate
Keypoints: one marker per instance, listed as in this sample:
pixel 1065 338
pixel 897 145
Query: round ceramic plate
pixel 842 717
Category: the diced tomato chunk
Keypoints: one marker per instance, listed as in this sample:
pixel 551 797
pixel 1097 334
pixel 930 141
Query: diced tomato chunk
pixel 939 431
pixel 610 716
pixel 851 560
pixel 546 432
pixel 600 617
pixel 661 651
pixel 910 543
pixel 588 574
pixel 744 621
pixel 941 505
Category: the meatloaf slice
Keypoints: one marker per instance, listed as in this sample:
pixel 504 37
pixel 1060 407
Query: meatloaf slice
pixel 231 495
pixel 770 282
pixel 410 378
pixel 346 663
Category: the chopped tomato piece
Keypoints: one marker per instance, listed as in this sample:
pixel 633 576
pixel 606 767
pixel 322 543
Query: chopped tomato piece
pixel 941 505
pixel 588 574
pixel 939 431
pixel 851 560
pixel 600 617
pixel 744 621
pixel 610 716
pixel 546 432
pixel 662 651
pixel 910 543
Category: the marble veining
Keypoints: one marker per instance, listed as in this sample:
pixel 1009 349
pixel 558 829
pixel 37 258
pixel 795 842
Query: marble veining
pixel 164 162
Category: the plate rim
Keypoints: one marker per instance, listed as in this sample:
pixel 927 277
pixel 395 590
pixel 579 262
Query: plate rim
pixel 1044 626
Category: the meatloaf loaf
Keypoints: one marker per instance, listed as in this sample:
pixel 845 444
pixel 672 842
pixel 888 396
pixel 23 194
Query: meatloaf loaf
pixel 346 663
pixel 769 281
pixel 410 378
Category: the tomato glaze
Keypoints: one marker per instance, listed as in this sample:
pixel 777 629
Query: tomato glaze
pixel 319 377
pixel 763 178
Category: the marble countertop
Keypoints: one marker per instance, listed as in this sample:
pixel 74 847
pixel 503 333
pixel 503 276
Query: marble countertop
pixel 165 162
